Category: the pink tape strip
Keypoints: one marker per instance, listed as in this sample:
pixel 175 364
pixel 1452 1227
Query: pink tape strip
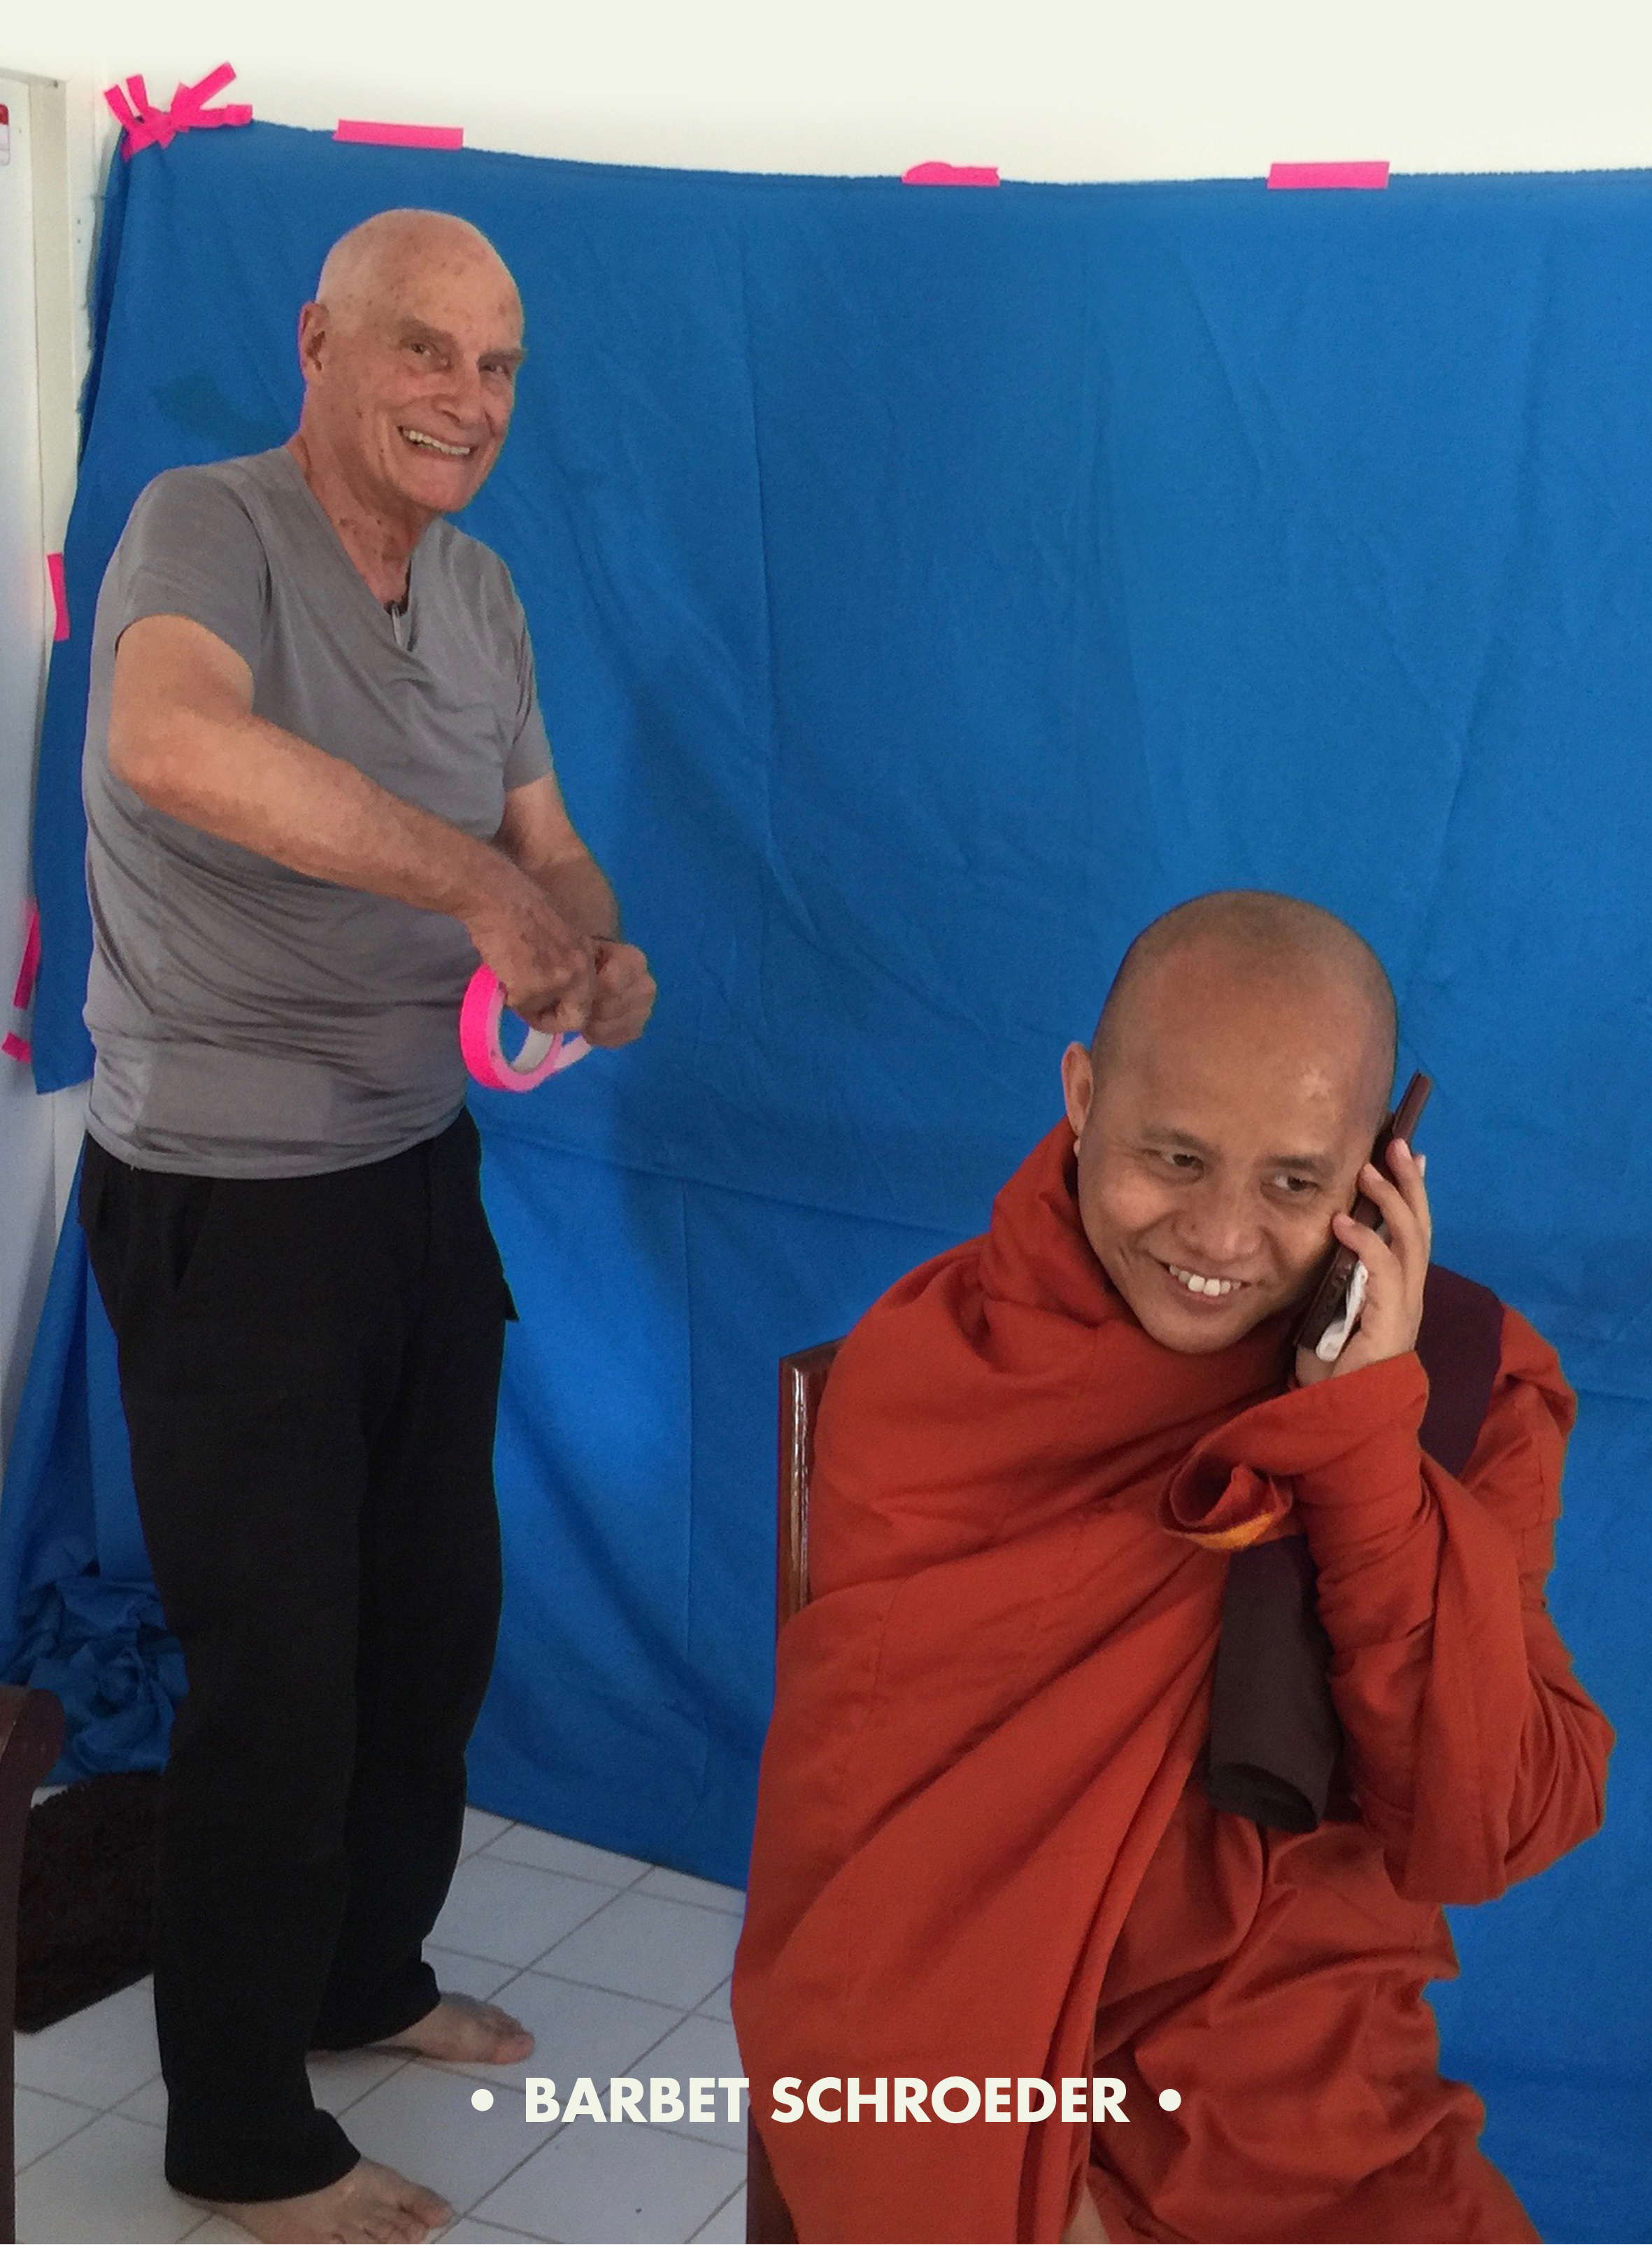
pixel 59 595
pixel 400 136
pixel 11 1044
pixel 951 175
pixel 146 125
pixel 30 966
pixel 542 1055
pixel 1328 175
pixel 189 103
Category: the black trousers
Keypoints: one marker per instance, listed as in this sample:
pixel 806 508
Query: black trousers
pixel 310 1370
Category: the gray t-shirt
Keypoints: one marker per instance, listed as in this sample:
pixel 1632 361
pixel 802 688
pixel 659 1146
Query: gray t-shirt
pixel 250 1020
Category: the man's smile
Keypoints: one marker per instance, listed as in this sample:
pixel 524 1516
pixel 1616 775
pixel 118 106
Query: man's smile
pixel 423 439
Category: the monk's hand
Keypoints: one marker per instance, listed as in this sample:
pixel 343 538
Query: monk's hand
pixel 1395 1267
pixel 624 996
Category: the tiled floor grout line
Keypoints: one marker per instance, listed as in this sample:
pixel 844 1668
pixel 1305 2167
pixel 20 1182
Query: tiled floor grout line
pixel 707 1909
pixel 589 1878
pixel 532 2152
pixel 586 1878
pixel 682 1902
pixel 612 1895
pixel 92 2112
pixel 687 1902
pixel 716 2210
pixel 400 2067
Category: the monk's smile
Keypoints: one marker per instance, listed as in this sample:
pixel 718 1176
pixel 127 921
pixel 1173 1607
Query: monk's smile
pixel 1200 1288
pixel 1217 1311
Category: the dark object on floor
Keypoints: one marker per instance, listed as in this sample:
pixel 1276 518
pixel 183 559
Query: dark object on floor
pixel 86 1896
pixel 31 1741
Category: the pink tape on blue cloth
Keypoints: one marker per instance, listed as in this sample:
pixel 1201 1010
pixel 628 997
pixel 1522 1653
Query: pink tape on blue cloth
pixel 60 596
pixel 30 965
pixel 145 124
pixel 542 1054
pixel 1328 175
pixel 951 175
pixel 400 136
pixel 15 1047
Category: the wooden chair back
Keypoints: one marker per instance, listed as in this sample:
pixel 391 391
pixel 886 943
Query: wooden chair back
pixel 802 1381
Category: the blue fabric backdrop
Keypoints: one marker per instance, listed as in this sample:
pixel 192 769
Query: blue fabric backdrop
pixel 929 587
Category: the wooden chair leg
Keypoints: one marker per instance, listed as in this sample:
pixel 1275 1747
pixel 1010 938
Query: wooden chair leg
pixel 767 2220
pixel 31 1741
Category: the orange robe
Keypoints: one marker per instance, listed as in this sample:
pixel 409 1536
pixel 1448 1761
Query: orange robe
pixel 982 1849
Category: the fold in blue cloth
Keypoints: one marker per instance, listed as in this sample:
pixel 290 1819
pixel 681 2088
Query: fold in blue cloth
pixel 106 1650
pixel 80 1614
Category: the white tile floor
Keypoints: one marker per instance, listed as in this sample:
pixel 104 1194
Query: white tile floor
pixel 618 1967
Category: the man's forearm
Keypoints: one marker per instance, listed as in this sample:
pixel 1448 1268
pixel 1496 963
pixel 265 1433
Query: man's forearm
pixel 254 783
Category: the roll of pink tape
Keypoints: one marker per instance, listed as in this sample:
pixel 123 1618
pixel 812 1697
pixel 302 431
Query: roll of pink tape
pixel 542 1054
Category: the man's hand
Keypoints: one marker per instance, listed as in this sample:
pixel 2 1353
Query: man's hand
pixel 1395 1268
pixel 547 971
pixel 625 995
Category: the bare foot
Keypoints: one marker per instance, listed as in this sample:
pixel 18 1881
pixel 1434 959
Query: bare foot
pixel 461 2028
pixel 368 2205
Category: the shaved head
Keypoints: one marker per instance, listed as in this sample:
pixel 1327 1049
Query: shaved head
pixel 371 266
pixel 1238 1075
pixel 1258 941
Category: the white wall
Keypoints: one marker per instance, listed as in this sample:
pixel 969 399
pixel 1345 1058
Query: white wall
pixel 1045 89
pixel 38 1138
pixel 25 1144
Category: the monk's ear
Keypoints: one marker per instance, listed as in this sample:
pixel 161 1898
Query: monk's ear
pixel 1078 1081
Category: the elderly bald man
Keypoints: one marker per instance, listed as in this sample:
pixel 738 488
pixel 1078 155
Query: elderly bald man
pixel 318 787
pixel 1082 1523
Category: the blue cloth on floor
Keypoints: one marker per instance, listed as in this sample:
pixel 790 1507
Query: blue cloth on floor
pixel 80 1614
pixel 929 587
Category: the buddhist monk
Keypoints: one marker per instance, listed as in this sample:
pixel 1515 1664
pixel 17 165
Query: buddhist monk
pixel 987 1848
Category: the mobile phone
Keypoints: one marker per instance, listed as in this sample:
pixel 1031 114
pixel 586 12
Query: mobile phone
pixel 1328 1317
